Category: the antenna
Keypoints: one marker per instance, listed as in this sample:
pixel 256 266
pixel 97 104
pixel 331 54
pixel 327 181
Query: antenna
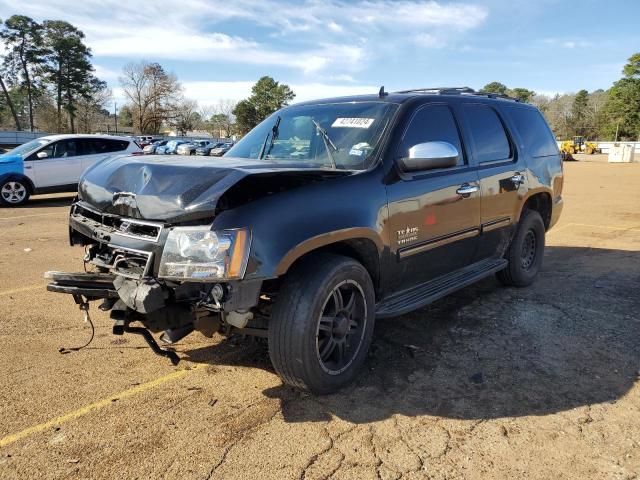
pixel 382 93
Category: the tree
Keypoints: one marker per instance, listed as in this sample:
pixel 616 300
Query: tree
pixel 246 115
pixel 153 95
pixel 9 101
pixel 22 38
pixel 186 116
pixel 495 87
pixel 125 117
pixel 522 94
pixel 68 68
pixel 623 106
pixel 579 112
pixel 267 96
pixel 91 109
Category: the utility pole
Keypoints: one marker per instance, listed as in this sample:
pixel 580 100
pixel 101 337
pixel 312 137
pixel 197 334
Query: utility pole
pixel 115 115
pixel 617 125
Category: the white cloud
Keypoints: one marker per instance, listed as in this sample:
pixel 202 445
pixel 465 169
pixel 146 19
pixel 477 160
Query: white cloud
pixel 211 92
pixel 568 43
pixel 332 36
pixel 104 73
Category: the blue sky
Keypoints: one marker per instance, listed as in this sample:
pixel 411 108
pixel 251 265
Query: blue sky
pixel 218 49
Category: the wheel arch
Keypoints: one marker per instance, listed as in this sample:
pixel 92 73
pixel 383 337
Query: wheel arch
pixel 361 244
pixel 19 177
pixel 540 202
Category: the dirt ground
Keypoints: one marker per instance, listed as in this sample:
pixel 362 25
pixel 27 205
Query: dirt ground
pixel 489 383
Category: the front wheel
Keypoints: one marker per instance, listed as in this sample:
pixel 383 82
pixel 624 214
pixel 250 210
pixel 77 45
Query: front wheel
pixel 14 193
pixel 525 252
pixel 322 323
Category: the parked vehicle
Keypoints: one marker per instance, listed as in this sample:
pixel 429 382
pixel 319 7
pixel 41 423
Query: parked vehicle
pixel 189 148
pixel 150 149
pixel 144 140
pixel 206 150
pixel 221 150
pixel 327 215
pixel 169 148
pixel 54 164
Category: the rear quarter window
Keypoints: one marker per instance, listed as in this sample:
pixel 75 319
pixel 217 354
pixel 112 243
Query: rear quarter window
pixel 534 131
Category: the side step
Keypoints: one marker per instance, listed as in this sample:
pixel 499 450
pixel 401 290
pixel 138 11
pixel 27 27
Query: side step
pixel 426 293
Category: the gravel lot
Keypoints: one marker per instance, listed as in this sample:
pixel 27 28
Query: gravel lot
pixel 488 383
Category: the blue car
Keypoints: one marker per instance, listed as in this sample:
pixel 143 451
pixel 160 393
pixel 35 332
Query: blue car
pixel 170 148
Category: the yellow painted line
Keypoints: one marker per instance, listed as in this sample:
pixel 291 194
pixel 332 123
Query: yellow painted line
pixel 105 402
pixel 23 289
pixel 35 215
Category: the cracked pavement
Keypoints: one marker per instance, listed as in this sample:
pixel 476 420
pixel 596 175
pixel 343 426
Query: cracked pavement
pixel 488 383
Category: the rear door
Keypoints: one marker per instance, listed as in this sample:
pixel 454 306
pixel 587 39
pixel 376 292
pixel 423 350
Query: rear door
pixel 434 228
pixel 62 165
pixel 502 174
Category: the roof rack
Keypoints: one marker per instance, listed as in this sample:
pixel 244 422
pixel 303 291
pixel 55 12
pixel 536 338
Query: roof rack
pixel 458 91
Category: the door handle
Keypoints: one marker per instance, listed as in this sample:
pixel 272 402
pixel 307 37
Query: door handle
pixel 517 179
pixel 466 190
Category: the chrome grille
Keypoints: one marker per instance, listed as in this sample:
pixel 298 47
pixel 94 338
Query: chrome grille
pixel 115 225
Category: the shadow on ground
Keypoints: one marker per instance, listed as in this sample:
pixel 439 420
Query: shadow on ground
pixel 39 201
pixel 487 352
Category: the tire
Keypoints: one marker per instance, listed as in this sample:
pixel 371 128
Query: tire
pixel 311 325
pixel 14 192
pixel 525 252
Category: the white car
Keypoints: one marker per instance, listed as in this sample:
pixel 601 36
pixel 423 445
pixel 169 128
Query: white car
pixel 54 164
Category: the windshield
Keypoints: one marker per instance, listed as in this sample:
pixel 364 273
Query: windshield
pixel 301 134
pixel 27 147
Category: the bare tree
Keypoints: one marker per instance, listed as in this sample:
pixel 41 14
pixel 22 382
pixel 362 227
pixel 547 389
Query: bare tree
pixel 153 94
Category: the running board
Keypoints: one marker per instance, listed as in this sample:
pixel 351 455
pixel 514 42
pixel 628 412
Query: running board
pixel 426 293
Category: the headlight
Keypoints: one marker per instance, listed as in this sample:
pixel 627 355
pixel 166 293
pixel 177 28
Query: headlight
pixel 199 254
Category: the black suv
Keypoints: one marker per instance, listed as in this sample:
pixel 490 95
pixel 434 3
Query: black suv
pixel 326 216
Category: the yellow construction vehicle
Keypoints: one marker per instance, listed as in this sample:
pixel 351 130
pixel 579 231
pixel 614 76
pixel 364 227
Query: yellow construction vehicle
pixel 579 145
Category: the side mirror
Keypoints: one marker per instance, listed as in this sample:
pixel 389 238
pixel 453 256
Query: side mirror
pixel 42 155
pixel 428 156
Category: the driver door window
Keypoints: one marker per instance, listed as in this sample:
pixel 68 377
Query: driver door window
pixel 433 123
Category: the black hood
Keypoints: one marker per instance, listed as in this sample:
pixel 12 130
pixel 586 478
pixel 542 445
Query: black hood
pixel 176 188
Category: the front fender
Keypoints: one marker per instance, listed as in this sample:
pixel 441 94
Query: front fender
pixel 286 225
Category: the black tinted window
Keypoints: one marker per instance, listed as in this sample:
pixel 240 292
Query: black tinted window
pixel 433 123
pixel 537 138
pixel 488 134
pixel 94 146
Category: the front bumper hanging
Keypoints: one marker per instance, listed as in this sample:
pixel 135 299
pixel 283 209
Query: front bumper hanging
pixel 87 287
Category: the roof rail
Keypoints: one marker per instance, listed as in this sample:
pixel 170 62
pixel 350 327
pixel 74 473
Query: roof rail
pixel 458 91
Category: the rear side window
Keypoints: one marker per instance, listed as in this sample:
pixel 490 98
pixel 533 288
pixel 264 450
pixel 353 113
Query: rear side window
pixel 487 132
pixel 432 123
pixel 536 135
pixel 93 146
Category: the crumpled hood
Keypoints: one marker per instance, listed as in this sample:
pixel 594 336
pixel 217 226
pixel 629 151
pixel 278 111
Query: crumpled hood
pixel 170 188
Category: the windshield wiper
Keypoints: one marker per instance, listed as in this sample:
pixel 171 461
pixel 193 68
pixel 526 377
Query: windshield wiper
pixel 327 142
pixel 274 135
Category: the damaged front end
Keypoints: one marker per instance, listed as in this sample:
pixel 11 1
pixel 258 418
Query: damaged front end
pixel 170 278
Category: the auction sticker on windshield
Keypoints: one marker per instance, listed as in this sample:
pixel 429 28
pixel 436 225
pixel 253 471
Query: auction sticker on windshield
pixel 353 122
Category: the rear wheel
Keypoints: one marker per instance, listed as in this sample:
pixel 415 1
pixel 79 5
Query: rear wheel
pixel 14 193
pixel 322 323
pixel 525 252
